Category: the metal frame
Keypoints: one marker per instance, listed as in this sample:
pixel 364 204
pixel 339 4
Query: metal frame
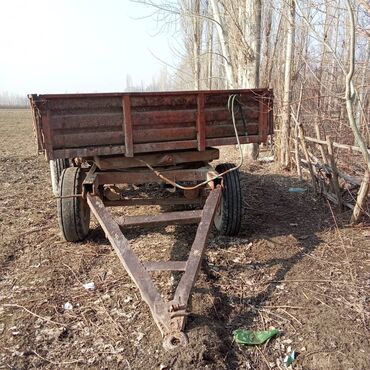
pixel 170 317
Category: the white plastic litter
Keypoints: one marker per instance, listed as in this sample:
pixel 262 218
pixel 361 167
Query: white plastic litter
pixel 140 336
pixel 68 306
pixel 89 286
pixel 127 299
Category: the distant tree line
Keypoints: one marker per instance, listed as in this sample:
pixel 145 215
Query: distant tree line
pixel 9 100
pixel 164 81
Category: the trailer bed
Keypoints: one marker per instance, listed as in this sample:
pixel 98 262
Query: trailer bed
pixel 98 142
pixel 87 125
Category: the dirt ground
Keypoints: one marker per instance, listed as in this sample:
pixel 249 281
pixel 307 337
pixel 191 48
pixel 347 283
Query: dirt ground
pixel 294 267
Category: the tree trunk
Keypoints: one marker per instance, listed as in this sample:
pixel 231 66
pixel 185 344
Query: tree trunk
pixel 349 96
pixel 252 34
pixel 210 54
pixel 267 46
pixel 222 35
pixel 361 200
pixel 362 97
pixel 285 124
pixel 196 44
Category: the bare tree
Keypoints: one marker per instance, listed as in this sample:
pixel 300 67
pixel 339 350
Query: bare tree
pixel 298 48
pixel 285 117
pixel 252 33
pixel 223 39
pixel 349 96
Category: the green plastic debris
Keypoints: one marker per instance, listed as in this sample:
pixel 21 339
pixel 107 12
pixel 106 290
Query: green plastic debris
pixel 289 359
pixel 297 190
pixel 250 337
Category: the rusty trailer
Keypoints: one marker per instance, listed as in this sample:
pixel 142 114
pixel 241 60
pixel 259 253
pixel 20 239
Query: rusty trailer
pixel 97 142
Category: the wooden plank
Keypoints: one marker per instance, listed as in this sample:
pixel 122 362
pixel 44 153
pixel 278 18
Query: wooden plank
pixel 91 151
pixel 232 140
pixel 127 125
pixel 160 135
pixel 253 92
pixel 332 197
pixel 220 100
pixel 165 265
pixel 223 114
pixel 247 98
pixel 164 101
pixel 88 151
pixel 165 146
pixel 84 144
pixel 163 117
pixel 168 125
pixel 120 149
pixel 157 159
pixel 86 104
pixel 110 136
pixel 90 130
pixel 80 140
pixel 86 121
pixel 335 145
pixel 228 130
pixel 328 170
pixel 215 114
pixel 168 218
pixel 177 118
pixel 201 124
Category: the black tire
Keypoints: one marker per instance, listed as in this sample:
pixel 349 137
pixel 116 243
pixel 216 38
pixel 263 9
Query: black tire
pixel 229 214
pixel 56 168
pixel 73 212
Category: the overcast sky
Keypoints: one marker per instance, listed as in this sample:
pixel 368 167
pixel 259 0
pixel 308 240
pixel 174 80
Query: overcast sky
pixel 58 46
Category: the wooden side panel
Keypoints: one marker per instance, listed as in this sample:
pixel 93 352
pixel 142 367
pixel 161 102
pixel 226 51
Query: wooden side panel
pixel 82 123
pixel 162 119
pixel 130 123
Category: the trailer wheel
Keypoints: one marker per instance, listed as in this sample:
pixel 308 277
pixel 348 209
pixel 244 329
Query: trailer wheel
pixel 73 212
pixel 228 216
pixel 56 168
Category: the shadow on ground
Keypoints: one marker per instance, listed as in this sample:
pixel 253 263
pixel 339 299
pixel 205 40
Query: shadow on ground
pixel 271 215
pixel 286 222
